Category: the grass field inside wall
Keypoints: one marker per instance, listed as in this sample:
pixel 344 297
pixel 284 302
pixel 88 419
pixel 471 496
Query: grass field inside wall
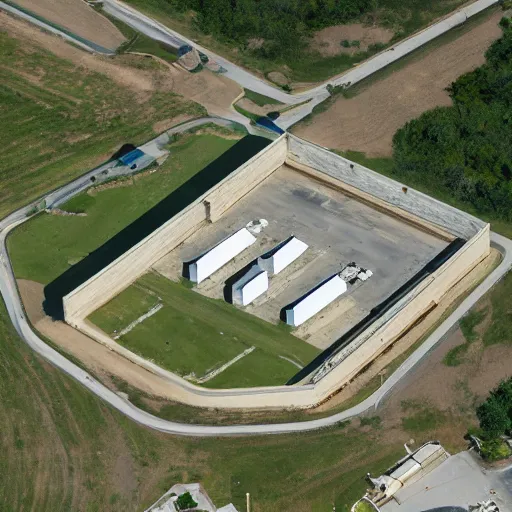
pixel 47 245
pixel 192 335
pixel 60 120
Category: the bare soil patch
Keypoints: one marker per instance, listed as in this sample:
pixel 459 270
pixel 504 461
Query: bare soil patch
pixel 278 78
pixel 328 42
pixel 368 121
pixel 79 18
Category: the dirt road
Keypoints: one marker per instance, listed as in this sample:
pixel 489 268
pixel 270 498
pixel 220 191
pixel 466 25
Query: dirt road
pixel 368 121
pixel 79 18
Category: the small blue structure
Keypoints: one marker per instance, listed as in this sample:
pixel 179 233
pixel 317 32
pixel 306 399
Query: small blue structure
pixel 267 123
pixel 136 159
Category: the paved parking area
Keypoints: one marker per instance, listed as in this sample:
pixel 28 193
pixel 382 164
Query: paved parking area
pixel 458 482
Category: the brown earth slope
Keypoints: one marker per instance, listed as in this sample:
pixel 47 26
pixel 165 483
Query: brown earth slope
pixel 368 121
pixel 79 18
pixel 144 75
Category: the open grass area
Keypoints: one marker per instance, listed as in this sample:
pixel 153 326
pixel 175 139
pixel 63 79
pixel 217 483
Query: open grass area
pixel 193 335
pixel 260 99
pixel 63 449
pixel 45 246
pixel 403 18
pixel 60 120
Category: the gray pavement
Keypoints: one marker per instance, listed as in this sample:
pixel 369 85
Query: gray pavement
pixel 459 481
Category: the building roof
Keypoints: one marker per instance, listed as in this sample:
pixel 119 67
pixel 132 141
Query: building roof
pixel 130 157
pixel 253 284
pixel 315 300
pixel 282 255
pixel 204 266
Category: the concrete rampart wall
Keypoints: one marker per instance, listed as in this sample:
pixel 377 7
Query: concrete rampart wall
pixel 107 283
pixel 362 351
pixel 425 207
pixel 345 365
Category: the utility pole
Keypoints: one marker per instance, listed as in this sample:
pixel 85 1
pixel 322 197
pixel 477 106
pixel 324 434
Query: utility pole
pixel 247 495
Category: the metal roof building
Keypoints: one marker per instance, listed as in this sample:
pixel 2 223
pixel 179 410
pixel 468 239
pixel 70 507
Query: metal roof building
pixel 253 284
pixel 204 266
pixel 315 300
pixel 282 255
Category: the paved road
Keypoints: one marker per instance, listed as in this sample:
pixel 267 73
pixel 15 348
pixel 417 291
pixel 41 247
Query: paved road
pixel 160 32
pixel 12 300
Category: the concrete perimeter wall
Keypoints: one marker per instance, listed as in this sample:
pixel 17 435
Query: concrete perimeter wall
pixel 107 283
pixel 346 364
pixel 385 189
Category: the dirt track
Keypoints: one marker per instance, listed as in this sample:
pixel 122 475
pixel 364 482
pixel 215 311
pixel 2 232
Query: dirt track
pixel 368 121
pixel 143 75
pixel 79 18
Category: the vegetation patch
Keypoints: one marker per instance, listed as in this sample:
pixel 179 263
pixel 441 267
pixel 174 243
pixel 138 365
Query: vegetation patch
pixel 260 99
pixel 193 335
pixel 421 417
pixel 468 324
pixel 285 30
pixel 60 120
pixel 41 248
pixel 462 150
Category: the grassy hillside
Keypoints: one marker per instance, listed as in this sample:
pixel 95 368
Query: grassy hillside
pixel 60 120
pixel 193 334
pixel 47 245
pixel 62 449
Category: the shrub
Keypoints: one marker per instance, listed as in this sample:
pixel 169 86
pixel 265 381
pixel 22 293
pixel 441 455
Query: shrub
pixel 493 418
pixel 495 449
pixel 185 501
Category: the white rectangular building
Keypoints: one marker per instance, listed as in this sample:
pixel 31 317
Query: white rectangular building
pixel 253 284
pixel 316 300
pixel 204 266
pixel 282 255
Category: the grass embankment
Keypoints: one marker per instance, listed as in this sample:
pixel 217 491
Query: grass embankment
pixel 63 449
pixel 489 323
pixel 60 120
pixel 138 42
pixel 193 334
pixel 45 246
pixel 403 18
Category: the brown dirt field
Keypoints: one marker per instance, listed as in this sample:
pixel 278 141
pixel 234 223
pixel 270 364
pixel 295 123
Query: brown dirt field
pixel 79 18
pixel 327 41
pixel 144 76
pixel 368 121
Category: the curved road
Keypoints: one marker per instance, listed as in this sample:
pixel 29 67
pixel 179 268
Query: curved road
pixel 16 312
pixel 316 95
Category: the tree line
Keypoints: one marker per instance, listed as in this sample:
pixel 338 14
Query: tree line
pixel 465 150
pixel 283 25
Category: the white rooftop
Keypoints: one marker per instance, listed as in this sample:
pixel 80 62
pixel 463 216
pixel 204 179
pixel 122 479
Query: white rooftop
pixel 204 266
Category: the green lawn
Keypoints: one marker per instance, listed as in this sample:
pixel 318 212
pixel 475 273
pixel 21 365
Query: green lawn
pixel 195 334
pixel 63 120
pixel 45 246
pixel 260 99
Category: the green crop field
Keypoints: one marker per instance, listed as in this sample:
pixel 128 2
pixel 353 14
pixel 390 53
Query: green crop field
pixel 60 120
pixel 193 334
pixel 45 246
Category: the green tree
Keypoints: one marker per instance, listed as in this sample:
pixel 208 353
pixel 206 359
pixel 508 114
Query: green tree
pixel 493 417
